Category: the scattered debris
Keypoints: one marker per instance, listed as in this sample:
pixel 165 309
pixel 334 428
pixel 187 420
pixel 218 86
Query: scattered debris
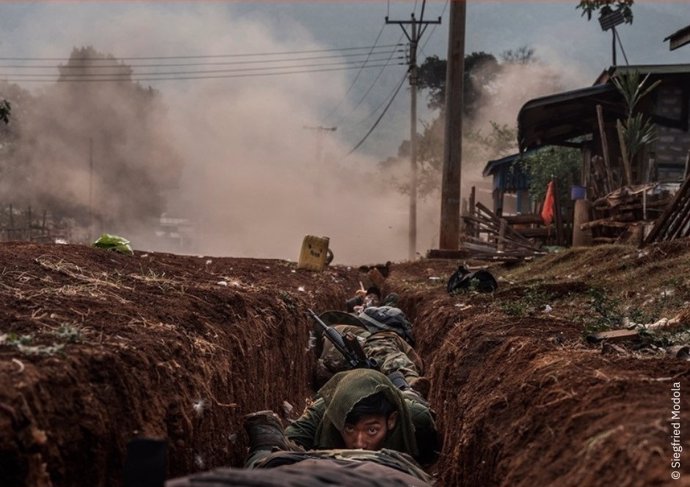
pixel 20 364
pixel 502 241
pixel 675 221
pixel 199 406
pixel 621 215
pixel 613 336
pixel 114 242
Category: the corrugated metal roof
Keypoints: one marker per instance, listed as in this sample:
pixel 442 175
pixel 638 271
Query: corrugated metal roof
pixel 550 120
pixel 679 38
pixel 554 119
pixel 653 69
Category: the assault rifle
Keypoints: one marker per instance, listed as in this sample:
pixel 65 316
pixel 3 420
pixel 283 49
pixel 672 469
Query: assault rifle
pixel 347 345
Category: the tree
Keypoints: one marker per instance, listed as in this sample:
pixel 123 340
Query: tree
pixel 484 87
pixel 480 69
pixel 5 109
pixel 588 7
pixel 521 55
pixel 47 160
pixel 562 163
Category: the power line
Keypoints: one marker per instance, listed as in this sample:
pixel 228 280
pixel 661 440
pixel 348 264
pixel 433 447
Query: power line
pixel 181 78
pixel 366 93
pixel 337 106
pixel 210 63
pixel 126 75
pixel 397 90
pixel 204 56
pixel 433 29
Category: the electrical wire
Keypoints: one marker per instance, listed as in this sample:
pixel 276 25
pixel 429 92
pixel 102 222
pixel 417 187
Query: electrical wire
pixel 127 75
pixel 433 29
pixel 354 81
pixel 211 63
pixel 390 102
pixel 366 93
pixel 205 56
pixel 180 78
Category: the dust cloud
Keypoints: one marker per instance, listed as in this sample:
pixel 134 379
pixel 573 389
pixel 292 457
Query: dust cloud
pixel 233 165
pixel 501 100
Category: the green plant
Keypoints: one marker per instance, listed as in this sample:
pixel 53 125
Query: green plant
pixel 561 163
pixel 531 302
pixel 590 6
pixel 23 344
pixel 69 333
pixel 14 340
pixel 638 130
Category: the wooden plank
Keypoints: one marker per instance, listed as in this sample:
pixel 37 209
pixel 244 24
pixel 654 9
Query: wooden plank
pixel 661 221
pixel 624 153
pixel 447 254
pixel 676 219
pixel 605 147
pixel 604 222
pixel 613 336
pixel 526 219
pixel 539 232
pixel 473 197
pixel 604 240
pixel 489 214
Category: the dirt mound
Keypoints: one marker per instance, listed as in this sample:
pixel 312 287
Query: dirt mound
pixel 97 348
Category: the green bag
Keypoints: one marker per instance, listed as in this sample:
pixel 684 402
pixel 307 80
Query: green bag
pixel 114 242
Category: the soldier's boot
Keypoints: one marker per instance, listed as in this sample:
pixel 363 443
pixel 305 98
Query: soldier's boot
pixel 265 431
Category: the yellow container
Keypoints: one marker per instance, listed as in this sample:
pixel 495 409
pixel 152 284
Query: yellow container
pixel 314 254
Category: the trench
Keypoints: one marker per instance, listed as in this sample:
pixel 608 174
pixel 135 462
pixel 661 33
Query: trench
pixel 519 401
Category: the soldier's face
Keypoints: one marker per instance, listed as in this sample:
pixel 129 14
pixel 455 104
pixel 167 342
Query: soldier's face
pixel 370 432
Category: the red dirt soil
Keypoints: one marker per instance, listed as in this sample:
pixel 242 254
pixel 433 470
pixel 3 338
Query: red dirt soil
pixel 97 348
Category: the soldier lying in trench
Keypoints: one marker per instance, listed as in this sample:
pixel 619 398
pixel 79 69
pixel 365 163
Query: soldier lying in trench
pixel 385 335
pixel 360 431
pixel 357 409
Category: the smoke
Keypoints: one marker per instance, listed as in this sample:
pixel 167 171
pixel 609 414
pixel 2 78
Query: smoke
pixel 514 84
pixel 234 164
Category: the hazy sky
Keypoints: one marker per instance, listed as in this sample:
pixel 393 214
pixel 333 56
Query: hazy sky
pixel 556 30
pixel 252 182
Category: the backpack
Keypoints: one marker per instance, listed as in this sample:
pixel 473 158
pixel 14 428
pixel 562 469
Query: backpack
pixel 463 278
pixel 387 318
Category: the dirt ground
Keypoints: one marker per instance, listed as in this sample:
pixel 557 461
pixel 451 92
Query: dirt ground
pixel 97 348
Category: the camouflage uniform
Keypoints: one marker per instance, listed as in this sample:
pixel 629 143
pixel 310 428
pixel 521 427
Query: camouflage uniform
pixel 345 467
pixel 319 426
pixel 390 351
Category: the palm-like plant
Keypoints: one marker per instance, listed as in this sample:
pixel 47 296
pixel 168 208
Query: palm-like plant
pixel 637 129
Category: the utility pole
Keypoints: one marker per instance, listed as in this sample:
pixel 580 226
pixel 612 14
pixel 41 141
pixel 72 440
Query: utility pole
pixel 449 234
pixel 90 189
pixel 413 29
